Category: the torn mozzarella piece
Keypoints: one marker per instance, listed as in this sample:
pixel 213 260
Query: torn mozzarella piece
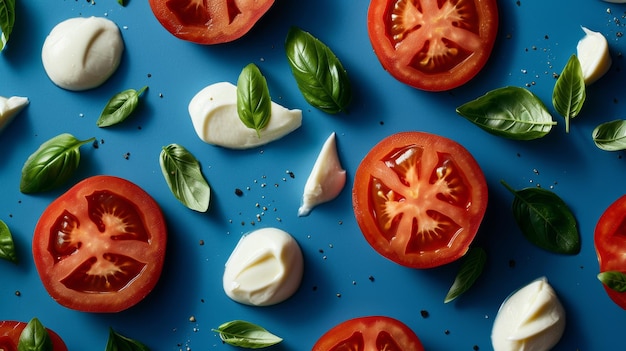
pixel 9 108
pixel 326 180
pixel 531 319
pixel 213 112
pixel 593 53
pixel 82 53
pixel 265 268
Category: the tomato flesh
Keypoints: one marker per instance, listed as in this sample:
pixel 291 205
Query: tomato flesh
pixel 433 45
pixel 10 332
pixel 610 244
pixel 371 333
pixel 100 246
pixel 419 199
pixel 209 21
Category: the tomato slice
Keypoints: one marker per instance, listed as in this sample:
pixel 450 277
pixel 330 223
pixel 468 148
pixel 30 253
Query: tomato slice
pixel 419 199
pixel 209 21
pixel 610 243
pixel 433 45
pixel 100 246
pixel 372 333
pixel 10 332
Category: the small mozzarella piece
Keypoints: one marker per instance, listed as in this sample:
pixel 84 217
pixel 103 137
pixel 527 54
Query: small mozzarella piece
pixel 531 319
pixel 82 53
pixel 265 268
pixel 593 53
pixel 9 108
pixel 326 180
pixel 213 112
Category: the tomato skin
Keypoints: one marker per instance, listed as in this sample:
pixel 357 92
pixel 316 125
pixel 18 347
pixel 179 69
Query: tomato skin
pixel 419 199
pixel 433 45
pixel 100 246
pixel 221 21
pixel 371 333
pixel 10 332
pixel 610 244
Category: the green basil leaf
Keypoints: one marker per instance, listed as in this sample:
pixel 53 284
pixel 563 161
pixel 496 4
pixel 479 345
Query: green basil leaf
pixel 569 91
pixel 119 342
pixel 320 76
pixel 545 220
pixel 254 104
pixel 610 136
pixel 34 337
pixel 615 280
pixel 7 246
pixel 184 177
pixel 510 112
pixel 247 335
pixel 120 107
pixel 121 2
pixel 471 268
pixel 7 21
pixel 52 164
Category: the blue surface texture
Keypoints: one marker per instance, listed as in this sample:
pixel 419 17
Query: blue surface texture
pixel 344 277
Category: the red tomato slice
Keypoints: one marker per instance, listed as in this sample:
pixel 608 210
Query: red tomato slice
pixel 419 199
pixel 610 243
pixel 373 333
pixel 100 246
pixel 10 332
pixel 209 21
pixel 433 45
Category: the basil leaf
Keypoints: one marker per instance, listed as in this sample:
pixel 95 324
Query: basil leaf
pixel 320 76
pixel 471 268
pixel 184 177
pixel 247 335
pixel 545 220
pixel 7 247
pixel 254 104
pixel 510 112
pixel 7 21
pixel 34 337
pixel 610 136
pixel 121 2
pixel 52 164
pixel 569 91
pixel 120 107
pixel 119 342
pixel 615 280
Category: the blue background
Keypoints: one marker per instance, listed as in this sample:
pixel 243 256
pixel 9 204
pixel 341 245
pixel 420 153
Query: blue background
pixel 535 40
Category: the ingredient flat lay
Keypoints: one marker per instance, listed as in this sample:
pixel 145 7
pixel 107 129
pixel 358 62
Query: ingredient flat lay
pixel 150 116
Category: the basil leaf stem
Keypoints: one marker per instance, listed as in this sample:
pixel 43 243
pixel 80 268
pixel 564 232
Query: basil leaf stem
pixel 545 220
pixel 254 104
pixel 7 21
pixel 510 112
pixel 471 268
pixel 120 107
pixel 34 337
pixel 569 92
pixel 615 280
pixel 119 342
pixel 52 164
pixel 320 76
pixel 610 136
pixel 7 246
pixel 247 335
pixel 184 177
